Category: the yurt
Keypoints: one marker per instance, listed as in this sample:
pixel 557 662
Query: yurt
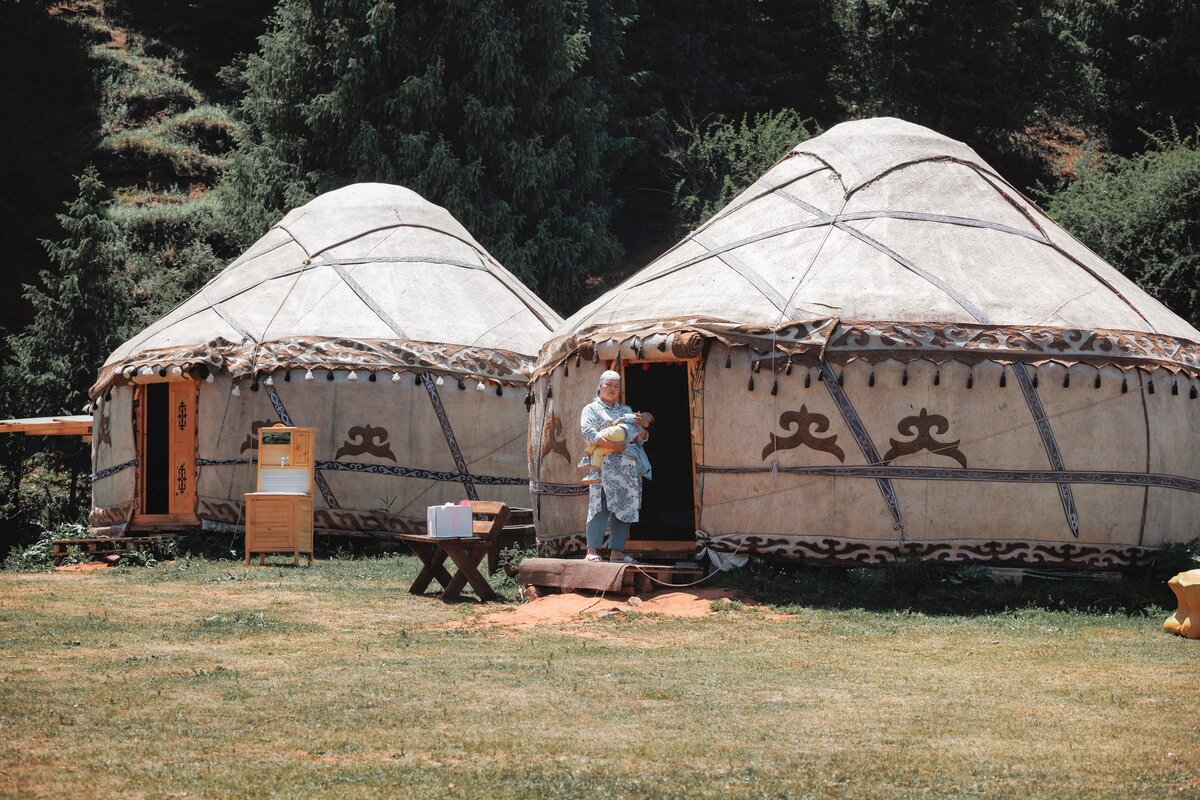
pixel 881 349
pixel 369 314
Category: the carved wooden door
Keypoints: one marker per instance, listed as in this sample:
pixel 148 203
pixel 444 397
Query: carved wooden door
pixel 182 437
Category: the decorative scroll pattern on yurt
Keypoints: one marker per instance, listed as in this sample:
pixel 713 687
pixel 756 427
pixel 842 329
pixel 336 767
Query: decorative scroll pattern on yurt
pixel 826 550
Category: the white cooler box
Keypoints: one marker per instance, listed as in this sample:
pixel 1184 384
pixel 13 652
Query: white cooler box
pixel 448 521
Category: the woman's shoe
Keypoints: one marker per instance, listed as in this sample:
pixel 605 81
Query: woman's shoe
pixel 592 557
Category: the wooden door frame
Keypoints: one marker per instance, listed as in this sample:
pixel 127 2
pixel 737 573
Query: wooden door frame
pixel 689 365
pixel 151 522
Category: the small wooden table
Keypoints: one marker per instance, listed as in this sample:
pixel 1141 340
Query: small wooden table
pixel 466 553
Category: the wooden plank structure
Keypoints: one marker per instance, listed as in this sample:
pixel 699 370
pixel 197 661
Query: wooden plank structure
pixel 99 547
pixel 661 549
pixel 567 575
pixel 79 425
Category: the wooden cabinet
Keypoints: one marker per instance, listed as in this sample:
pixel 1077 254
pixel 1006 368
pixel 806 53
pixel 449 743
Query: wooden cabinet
pixel 279 516
pixel 279 523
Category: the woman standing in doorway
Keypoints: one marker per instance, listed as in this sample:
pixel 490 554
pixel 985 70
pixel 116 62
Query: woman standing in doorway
pixel 618 496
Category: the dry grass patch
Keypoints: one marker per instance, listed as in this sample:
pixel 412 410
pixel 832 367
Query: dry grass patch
pixel 210 679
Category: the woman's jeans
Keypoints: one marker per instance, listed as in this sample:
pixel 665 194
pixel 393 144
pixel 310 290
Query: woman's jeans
pixel 597 524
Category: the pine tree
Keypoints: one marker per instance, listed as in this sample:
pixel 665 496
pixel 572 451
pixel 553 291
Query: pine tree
pixel 78 308
pixel 494 109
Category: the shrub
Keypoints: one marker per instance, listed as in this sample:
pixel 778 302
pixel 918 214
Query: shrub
pixel 39 556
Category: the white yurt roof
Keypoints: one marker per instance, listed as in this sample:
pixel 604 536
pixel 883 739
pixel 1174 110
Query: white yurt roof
pixel 878 220
pixel 369 266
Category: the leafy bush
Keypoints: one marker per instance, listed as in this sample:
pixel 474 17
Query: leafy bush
pixel 39 556
pixel 149 555
pixel 1176 557
pixel 716 163
pixel 1142 215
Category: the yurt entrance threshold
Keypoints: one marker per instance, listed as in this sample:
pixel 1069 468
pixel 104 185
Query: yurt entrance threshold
pixel 667 522
pixel 166 439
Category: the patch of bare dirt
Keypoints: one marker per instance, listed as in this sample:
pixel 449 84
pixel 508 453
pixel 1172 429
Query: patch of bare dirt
pixel 558 609
pixel 87 566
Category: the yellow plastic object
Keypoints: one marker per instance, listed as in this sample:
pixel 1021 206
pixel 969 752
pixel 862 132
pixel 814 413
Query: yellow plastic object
pixel 1186 620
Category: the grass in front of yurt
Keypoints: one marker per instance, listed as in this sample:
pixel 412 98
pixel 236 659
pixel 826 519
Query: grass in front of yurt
pixel 202 678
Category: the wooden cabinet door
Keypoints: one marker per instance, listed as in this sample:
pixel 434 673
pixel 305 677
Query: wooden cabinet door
pixel 302 448
pixel 182 428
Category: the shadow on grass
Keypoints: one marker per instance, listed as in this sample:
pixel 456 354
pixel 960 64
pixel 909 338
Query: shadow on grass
pixel 934 589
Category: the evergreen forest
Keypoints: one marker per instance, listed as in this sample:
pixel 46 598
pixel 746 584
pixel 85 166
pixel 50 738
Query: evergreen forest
pixel 148 142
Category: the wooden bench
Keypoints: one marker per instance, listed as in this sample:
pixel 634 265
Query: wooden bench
pixel 494 521
pixel 465 553
pixel 101 546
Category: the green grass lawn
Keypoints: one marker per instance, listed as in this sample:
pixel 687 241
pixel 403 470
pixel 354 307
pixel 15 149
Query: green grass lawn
pixel 202 678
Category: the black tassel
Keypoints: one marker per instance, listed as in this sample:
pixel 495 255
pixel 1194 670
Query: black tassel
pixel 1003 378
pixel 807 379
pixel 1175 387
pixel 1124 385
pixel 775 387
pixel 841 378
pixel 287 376
pixel 566 371
pixel 1035 379
pixel 372 377
pixel 820 376
pixel 528 400
pixel 1192 394
pixel 463 386
pixel 595 356
pixel 329 375
pixel 499 390
pixel 904 378
pixel 1097 384
pixel 254 385
pixel 728 361
pixel 549 390
pixel 970 379
pixel 788 369
pixel 937 377
pixel 1067 381
pixel 757 364
pixel 750 385
pixel 162 372
pixel 1150 386
pixel 871 379
pixel 577 357
pixel 417 379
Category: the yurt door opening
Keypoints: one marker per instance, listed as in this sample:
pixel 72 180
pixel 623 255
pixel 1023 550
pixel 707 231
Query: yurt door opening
pixel 166 436
pixel 668 512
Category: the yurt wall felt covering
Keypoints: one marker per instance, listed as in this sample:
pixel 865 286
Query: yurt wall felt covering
pixel 369 314
pixel 895 352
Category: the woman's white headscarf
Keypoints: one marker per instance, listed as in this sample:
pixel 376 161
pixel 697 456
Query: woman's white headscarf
pixel 607 375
